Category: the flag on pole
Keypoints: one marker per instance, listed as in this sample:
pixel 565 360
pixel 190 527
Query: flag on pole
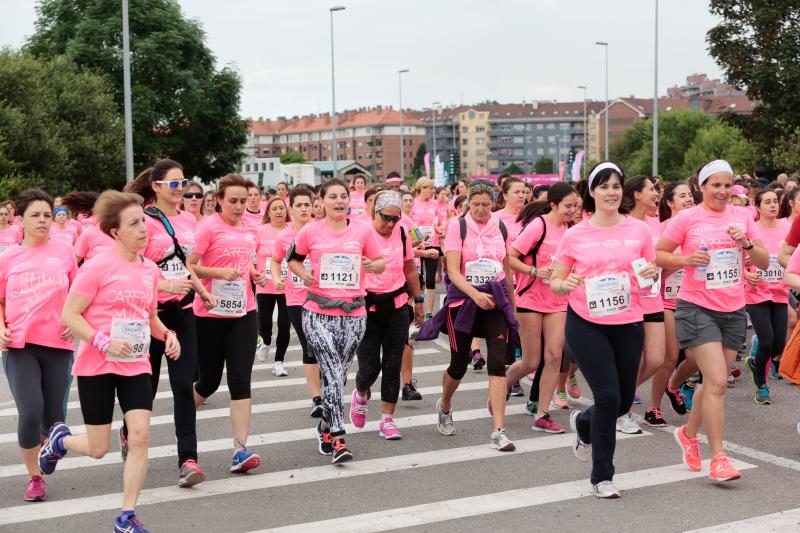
pixel 427 160
pixel 440 178
pixel 576 166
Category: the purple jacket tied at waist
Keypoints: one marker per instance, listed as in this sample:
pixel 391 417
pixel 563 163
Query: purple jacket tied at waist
pixel 466 314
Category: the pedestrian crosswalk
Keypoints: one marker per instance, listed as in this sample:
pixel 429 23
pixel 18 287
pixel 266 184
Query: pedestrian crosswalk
pixel 424 481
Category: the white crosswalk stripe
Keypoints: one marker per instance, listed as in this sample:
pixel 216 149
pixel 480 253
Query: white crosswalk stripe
pixel 784 521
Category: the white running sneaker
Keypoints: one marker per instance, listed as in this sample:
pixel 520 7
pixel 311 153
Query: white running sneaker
pixel 262 352
pixel 582 451
pixel 278 370
pixel 500 441
pixel 626 424
pixel 413 329
pixel 605 489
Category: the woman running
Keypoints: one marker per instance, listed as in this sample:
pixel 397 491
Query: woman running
pixel 111 308
pixel 170 241
pixel 541 314
pixel 272 291
pixel 92 241
pixel 61 229
pixel 226 335
pixel 210 204
pixel 334 317
pixel 357 206
pixel 790 205
pixel 34 281
pixel 193 200
pixel 252 212
pixel 423 213
pixel 710 311
pixel 767 295
pixel 604 264
pixel 479 303
pixel 301 199
pixel 10 234
pixel 387 316
pixel 677 197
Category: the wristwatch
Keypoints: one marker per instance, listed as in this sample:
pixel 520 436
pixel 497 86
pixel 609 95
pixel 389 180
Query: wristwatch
pixel 419 299
pixel 534 272
pixel 750 245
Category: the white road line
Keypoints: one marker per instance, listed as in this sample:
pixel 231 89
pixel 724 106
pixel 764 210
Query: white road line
pixel 278 382
pixel 278 437
pixel 257 408
pixel 432 513
pixel 441 343
pixel 782 521
pixel 239 484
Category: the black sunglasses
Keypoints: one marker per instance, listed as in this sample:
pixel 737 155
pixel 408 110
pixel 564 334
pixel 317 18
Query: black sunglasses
pixel 388 218
pixel 195 195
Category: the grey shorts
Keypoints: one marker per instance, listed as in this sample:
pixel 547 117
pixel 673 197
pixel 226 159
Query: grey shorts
pixel 697 325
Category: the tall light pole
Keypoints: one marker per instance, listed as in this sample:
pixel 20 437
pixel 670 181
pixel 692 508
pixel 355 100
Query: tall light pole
pixel 585 118
pixel 333 95
pixel 126 83
pixel 655 101
pixel 605 44
pixel 435 110
pixel 402 144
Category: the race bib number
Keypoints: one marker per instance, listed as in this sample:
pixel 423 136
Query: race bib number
pixel 134 332
pixel 284 269
pixel 672 284
pixel 725 268
pixel 174 269
pixel 296 281
pixel 774 271
pixel 609 294
pixel 340 271
pixel 481 271
pixel 231 297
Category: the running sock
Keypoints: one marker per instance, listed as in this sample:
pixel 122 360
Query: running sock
pixel 58 444
pixel 360 397
pixel 385 416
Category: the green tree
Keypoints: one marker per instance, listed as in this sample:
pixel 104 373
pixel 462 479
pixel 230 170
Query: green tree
pixel 419 161
pixel 183 107
pixel 786 153
pixel 59 127
pixel 756 44
pixel 292 157
pixel 514 168
pixel 720 141
pixel 543 165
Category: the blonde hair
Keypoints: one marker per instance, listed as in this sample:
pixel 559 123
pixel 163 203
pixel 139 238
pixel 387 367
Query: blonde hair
pixel 424 181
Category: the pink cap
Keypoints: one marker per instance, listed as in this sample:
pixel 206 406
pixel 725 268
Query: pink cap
pixel 739 191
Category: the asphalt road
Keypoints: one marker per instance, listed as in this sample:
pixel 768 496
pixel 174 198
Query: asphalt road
pixel 424 482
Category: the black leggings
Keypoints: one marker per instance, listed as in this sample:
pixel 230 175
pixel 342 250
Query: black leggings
pixel 770 321
pixel 266 305
pixel 226 342
pixel 428 274
pixel 181 376
pixel 295 313
pixel 391 336
pixel 608 356
pixel 39 378
pixel 490 325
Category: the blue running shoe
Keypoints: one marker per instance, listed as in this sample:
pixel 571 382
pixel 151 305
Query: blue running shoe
pixel 129 524
pixel 751 366
pixel 762 396
pixel 774 374
pixel 244 460
pixel 51 451
pixel 688 394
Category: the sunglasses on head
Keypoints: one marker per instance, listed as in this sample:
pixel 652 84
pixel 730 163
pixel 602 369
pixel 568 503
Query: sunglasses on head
pixel 389 218
pixel 195 195
pixel 174 184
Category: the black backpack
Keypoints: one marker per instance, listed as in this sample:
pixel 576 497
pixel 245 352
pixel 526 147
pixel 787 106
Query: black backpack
pixel 532 253
pixel 156 213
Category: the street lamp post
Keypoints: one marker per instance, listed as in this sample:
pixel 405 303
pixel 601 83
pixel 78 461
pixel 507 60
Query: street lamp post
pixel 333 95
pixel 605 44
pixel 655 100
pixel 126 82
pixel 435 109
pixel 585 118
pixel 402 144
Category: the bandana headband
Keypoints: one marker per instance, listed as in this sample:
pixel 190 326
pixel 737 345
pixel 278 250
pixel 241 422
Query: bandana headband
pixel 386 199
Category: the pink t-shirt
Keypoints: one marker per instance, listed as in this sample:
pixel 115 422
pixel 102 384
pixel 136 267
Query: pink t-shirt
pixel 357 205
pixel 295 290
pixel 252 219
pixel 77 225
pixel 442 212
pixel 424 215
pixel 393 276
pixel 673 280
pixel 539 297
pixel 221 245
pixel 92 242
pixel 266 238
pixel 653 303
pixel 121 290
pixel 34 281
pixel 68 234
pixel 160 245
pixel 336 261
pixel 609 292
pixel 10 236
pixel 697 226
pixel 513 227
pixel 772 288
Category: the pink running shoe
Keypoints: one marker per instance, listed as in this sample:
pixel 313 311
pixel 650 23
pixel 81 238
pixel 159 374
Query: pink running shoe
pixel 722 469
pixel 35 491
pixel 358 410
pixel 692 457
pixel 560 400
pixel 388 430
pixel 546 424
pixel 573 388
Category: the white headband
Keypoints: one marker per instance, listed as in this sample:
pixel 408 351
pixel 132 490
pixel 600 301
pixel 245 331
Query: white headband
pixel 719 165
pixel 603 166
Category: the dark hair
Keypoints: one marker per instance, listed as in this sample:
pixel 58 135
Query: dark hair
pixel 539 189
pixel 458 202
pixel 143 184
pixel 231 180
pixel 508 181
pixel 602 177
pixel 664 210
pixel 109 207
pixel 359 177
pixel 775 185
pixel 759 171
pixel 373 190
pixel 28 196
pixel 632 186
pixel 392 174
pixel 333 182
pixel 786 203
pixel 301 190
pixel 281 183
pixel 502 178
pixel 80 203
pixel 555 195
pixel 265 218
pixel 760 194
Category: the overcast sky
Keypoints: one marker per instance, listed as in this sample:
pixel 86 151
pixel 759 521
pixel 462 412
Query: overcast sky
pixel 457 50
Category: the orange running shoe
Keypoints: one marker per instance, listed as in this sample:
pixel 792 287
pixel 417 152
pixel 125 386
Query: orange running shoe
pixel 692 457
pixel 722 469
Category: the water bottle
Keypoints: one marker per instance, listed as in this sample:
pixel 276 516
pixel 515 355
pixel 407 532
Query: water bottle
pixel 700 271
